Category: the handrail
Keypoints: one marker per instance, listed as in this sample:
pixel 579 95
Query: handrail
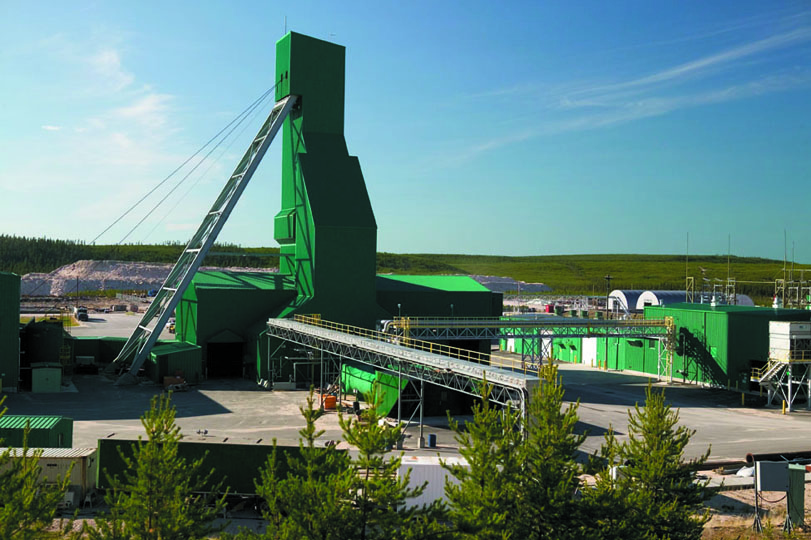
pixel 794 357
pixel 435 348
pixel 506 322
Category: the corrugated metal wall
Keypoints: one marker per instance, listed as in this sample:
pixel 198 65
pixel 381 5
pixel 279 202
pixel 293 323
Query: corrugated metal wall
pixel 45 431
pixel 9 330
pixel 167 359
pixel 720 346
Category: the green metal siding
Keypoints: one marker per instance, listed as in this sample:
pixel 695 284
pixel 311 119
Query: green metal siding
pixel 568 350
pixel 719 344
pixel 237 466
pixel 168 358
pixel 235 304
pixel 331 247
pixel 9 330
pixel 45 431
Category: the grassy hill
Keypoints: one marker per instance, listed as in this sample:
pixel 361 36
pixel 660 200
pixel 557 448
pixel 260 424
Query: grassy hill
pixel 566 274
pixel 579 274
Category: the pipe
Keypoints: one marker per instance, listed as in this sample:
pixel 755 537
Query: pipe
pixel 778 456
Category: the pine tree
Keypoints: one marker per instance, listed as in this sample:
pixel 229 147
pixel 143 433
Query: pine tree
pixel 484 502
pixel 378 494
pixel 310 499
pixel 27 503
pixel 550 475
pixel 160 497
pixel 656 485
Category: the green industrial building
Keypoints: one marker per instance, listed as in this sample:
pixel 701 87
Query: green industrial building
pixel 9 331
pixel 327 234
pixel 721 344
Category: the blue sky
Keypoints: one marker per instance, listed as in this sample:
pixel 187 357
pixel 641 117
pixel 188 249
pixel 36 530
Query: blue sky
pixel 519 128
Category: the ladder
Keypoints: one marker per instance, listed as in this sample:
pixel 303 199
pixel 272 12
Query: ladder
pixel 145 335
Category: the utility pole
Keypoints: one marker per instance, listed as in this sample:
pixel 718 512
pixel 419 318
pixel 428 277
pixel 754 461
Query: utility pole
pixel 607 293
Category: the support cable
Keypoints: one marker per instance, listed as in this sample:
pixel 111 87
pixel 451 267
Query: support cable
pixel 186 176
pixel 253 114
pixel 150 192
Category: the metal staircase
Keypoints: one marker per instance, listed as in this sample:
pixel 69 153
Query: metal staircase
pixel 767 374
pixel 154 320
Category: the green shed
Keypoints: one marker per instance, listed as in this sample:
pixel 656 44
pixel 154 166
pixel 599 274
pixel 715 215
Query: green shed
pixel 720 344
pixel 169 358
pixel 9 331
pixel 45 431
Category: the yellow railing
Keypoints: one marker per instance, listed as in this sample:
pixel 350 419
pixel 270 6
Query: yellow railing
pixel 795 357
pixel 757 373
pixel 478 322
pixel 427 346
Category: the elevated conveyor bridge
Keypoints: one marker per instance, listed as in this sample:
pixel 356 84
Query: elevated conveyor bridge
pixel 537 334
pixel 417 360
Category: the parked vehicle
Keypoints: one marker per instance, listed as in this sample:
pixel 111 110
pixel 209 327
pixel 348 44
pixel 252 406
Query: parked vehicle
pixel 80 312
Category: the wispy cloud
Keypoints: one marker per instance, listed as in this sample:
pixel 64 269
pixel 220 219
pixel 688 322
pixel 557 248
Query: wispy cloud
pixel 51 128
pixel 701 66
pixel 106 64
pixel 150 110
pixel 567 106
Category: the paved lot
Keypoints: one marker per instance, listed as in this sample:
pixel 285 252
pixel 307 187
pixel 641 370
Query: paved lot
pixel 716 415
pixel 111 325
pixel 239 409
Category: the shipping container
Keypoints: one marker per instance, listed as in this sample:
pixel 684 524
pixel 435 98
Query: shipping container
pixel 55 464
pixel 45 431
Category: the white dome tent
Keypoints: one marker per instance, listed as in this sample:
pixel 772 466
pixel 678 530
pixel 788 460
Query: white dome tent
pixel 665 298
pixel 623 301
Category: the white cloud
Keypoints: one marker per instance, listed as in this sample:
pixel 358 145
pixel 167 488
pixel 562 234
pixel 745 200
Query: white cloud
pixel 47 127
pixel 106 64
pixel 150 110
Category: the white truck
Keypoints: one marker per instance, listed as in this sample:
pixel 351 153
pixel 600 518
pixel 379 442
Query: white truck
pixel 80 312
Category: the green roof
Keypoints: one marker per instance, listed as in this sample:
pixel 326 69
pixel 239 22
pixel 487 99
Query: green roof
pixel 440 283
pixel 724 308
pixel 37 422
pixel 169 347
pixel 217 279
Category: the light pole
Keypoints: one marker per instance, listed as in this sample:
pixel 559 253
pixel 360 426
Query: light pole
pixel 451 311
pixel 399 314
pixel 607 292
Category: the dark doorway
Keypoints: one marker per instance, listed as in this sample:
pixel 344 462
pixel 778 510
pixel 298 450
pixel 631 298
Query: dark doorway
pixel 224 360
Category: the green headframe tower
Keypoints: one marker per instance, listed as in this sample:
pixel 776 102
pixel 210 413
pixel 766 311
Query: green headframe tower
pixel 326 227
pixel 327 234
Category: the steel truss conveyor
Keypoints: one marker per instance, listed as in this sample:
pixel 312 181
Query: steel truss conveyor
pixel 448 367
pixel 537 334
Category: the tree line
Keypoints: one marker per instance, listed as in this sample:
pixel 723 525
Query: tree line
pixel 522 481
pixel 23 255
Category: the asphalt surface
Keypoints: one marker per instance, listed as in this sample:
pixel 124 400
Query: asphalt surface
pixel 240 409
